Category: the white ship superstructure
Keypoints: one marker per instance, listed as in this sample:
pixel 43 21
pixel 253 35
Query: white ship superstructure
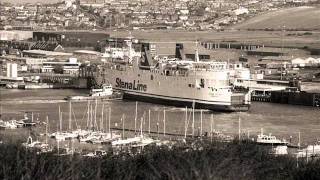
pixel 198 84
pixel 121 53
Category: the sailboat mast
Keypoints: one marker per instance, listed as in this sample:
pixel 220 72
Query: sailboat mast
pixel 201 122
pixel 141 131
pixel 109 120
pixel 239 128
pixel 91 117
pixel 149 121
pixel 95 113
pixel 135 118
pixel 211 127
pixel 164 122
pixel 70 128
pixel 101 120
pixel 60 119
pixel 0 111
pixel 88 114
pixel 47 130
pixel 193 119
pixel 185 123
pixel 123 118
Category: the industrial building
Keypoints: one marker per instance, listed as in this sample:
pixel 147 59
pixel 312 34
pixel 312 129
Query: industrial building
pixel 71 38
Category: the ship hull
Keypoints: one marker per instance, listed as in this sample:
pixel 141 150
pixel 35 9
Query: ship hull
pixel 171 101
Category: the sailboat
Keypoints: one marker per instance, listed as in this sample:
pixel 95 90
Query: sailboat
pixel 60 135
pixel 97 135
pixel 42 147
pixel 137 141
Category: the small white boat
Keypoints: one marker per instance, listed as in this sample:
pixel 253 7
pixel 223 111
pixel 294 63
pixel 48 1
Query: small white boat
pixel 77 98
pixel 100 137
pixel 144 141
pixel 125 141
pixel 12 124
pixel 65 151
pixel 280 150
pixel 106 90
pixel 43 147
pixel 135 141
pixel 96 153
pixel 310 151
pixel 62 136
pixel 81 132
pixel 270 140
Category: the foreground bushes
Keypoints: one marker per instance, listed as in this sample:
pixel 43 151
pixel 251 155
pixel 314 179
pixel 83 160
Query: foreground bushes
pixel 203 160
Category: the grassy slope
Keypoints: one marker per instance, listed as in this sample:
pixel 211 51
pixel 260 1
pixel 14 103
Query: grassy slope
pixel 206 161
pixel 291 18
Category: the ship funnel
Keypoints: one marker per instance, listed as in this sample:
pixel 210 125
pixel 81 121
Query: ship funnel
pixel 146 55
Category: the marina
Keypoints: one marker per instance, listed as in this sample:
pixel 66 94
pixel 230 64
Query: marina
pixel 226 123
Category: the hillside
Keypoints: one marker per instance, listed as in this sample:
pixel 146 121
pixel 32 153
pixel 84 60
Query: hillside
pixel 292 18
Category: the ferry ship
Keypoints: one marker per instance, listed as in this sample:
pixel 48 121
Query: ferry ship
pixel 184 83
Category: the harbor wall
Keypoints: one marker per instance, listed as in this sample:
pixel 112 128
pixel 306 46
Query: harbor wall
pixel 295 98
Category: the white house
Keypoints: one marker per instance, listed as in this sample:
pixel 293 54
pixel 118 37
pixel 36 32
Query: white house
pixel 241 10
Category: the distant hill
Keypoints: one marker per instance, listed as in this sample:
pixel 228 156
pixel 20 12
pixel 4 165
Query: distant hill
pixel 31 1
pixel 292 18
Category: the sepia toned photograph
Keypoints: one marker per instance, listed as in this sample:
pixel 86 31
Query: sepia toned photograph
pixel 159 89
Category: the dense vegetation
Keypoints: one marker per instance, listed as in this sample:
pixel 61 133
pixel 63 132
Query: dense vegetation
pixel 203 160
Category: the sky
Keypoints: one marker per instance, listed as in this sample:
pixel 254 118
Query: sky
pixel 30 1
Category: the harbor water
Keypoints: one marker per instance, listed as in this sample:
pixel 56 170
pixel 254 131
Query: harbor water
pixel 281 120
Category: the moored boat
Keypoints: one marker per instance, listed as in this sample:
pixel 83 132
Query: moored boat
pixel 270 140
pixel 105 90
